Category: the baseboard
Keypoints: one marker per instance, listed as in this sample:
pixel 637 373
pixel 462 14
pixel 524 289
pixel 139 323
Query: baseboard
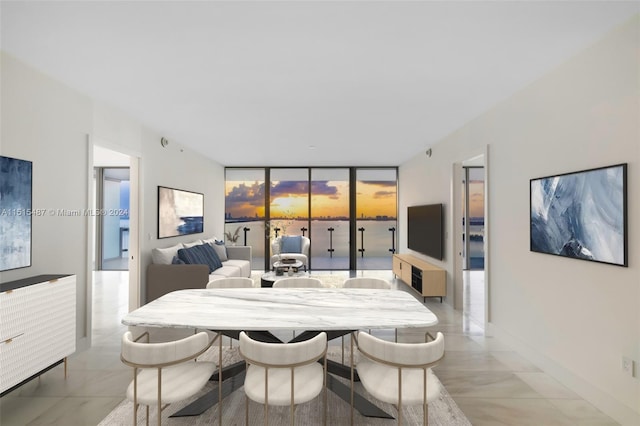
pixel 600 399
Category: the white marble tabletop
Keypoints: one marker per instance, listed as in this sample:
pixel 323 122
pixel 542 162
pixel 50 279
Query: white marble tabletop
pixel 283 309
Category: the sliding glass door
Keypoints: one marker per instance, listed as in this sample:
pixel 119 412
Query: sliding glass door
pixel 376 222
pixel 245 200
pixel 348 213
pixel 330 218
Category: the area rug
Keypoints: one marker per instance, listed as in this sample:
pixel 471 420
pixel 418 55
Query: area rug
pixel 442 411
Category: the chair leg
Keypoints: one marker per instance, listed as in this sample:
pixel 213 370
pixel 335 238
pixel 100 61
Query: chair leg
pixel 246 410
pixel 399 396
pixel 220 378
pixel 352 375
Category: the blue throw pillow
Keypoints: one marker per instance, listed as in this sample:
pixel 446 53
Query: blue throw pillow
pixel 291 244
pixel 177 261
pixel 202 254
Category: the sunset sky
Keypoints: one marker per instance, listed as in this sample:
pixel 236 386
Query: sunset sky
pixel 329 199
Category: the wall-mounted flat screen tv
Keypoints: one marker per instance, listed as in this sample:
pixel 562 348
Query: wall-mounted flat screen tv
pixel 425 230
pixel 582 215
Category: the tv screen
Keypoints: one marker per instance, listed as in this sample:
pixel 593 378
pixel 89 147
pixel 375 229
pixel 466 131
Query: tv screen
pixel 424 227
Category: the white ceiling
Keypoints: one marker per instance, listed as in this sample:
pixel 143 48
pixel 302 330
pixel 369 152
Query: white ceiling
pixel 303 83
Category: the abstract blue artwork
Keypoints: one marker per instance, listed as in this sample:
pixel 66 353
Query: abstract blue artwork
pixel 15 213
pixel 582 215
pixel 179 212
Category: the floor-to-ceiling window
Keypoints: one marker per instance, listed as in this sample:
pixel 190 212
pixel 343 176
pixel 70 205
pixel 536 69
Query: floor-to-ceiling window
pixel 330 218
pixel 245 201
pixel 349 214
pixel 376 217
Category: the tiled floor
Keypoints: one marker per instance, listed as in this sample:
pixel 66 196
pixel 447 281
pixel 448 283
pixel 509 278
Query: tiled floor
pixel 492 384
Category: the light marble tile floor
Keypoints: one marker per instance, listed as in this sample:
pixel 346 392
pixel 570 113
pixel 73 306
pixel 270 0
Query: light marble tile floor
pixel 492 384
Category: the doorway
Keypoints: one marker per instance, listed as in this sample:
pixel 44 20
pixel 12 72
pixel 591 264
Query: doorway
pixel 112 218
pixel 113 229
pixel 471 242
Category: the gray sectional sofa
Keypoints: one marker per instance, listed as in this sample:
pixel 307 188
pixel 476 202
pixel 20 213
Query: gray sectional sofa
pixel 165 276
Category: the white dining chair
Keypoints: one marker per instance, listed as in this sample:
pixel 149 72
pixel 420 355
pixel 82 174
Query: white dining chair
pixel 283 374
pixel 367 282
pixel 231 282
pixel 400 373
pixel 164 373
pixel 297 282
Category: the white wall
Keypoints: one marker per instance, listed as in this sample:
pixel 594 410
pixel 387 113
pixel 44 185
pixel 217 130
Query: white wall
pixel 180 168
pixel 575 319
pixel 49 123
pixel 46 123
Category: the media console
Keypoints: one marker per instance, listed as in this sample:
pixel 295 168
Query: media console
pixel 427 279
pixel 37 327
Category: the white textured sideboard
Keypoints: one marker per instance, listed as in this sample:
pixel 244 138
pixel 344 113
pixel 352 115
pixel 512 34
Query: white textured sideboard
pixel 37 326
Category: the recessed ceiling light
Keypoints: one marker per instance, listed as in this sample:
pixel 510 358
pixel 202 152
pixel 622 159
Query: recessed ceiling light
pixel 312 147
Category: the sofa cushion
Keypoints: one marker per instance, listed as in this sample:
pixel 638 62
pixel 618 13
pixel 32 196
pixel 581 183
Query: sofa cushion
pixel 227 271
pixel 221 250
pixel 164 256
pixel 192 244
pixel 202 254
pixel 243 265
pixel 291 244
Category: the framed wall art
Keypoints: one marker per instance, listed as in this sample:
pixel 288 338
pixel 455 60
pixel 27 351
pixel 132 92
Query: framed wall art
pixel 15 213
pixel 179 212
pixel 582 215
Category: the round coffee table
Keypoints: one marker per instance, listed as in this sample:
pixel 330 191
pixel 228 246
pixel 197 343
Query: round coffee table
pixel 269 278
pixel 285 265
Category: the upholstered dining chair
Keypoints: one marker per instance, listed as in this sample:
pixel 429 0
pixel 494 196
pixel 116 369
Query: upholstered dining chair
pixel 164 373
pixel 400 373
pixel 291 247
pixel 231 282
pixel 366 282
pixel 298 282
pixel 283 374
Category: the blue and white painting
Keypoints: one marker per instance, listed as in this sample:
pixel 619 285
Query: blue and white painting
pixel 581 215
pixel 179 212
pixel 15 213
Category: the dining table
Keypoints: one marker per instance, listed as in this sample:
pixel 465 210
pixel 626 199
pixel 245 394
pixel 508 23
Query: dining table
pixel 263 311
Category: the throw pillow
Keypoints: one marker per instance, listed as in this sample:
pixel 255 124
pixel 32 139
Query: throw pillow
pixel 203 254
pixel 191 244
pixel 291 244
pixel 221 250
pixel 177 261
pixel 164 256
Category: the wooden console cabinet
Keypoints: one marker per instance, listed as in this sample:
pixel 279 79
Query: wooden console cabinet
pixel 427 279
pixel 37 327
